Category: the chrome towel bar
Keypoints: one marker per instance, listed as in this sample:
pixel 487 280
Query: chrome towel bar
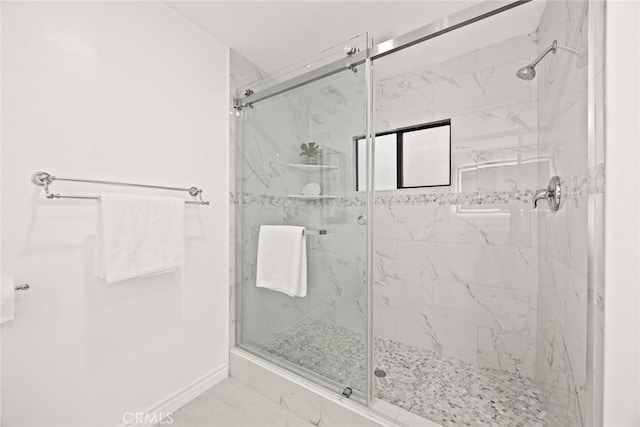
pixel 45 179
pixel 315 232
pixel 311 232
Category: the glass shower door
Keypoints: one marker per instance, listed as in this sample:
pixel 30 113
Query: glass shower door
pixel 296 165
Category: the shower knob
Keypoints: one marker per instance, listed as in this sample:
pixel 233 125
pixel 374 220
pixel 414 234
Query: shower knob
pixel 553 194
pixel 362 220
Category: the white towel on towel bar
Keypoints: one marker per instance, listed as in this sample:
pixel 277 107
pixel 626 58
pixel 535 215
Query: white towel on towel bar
pixel 282 259
pixel 139 236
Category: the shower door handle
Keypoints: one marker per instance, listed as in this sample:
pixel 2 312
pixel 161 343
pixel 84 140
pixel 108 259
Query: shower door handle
pixel 553 194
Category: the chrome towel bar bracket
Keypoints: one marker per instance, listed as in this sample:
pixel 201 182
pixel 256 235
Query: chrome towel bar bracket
pixel 22 287
pixel 45 179
pixel 553 194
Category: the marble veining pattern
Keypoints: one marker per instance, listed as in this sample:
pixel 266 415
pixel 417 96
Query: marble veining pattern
pixel 268 138
pixel 468 276
pixel 563 137
pixel 479 317
pixel 443 389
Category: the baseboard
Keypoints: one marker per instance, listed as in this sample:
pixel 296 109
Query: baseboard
pixel 164 408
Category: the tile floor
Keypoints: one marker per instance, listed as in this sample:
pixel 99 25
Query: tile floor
pixel 446 390
pixel 233 404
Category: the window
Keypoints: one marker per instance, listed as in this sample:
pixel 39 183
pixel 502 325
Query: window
pixel 412 157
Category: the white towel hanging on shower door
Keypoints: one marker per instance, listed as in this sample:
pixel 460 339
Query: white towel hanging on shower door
pixel 282 259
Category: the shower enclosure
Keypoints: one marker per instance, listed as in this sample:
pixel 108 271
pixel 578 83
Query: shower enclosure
pixel 434 285
pixel 322 334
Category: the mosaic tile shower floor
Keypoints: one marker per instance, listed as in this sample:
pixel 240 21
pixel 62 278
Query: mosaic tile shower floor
pixel 445 390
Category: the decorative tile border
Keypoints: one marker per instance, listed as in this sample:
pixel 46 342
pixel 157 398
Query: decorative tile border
pixel 598 179
pixel 407 200
pixel 591 181
pixel 478 198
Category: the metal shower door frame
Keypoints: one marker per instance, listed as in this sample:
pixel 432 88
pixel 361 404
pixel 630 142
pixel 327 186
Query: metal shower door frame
pixel 435 29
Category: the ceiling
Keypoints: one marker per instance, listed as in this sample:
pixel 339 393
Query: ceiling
pixel 274 34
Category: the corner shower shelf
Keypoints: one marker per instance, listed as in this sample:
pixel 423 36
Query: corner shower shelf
pixel 302 196
pixel 311 168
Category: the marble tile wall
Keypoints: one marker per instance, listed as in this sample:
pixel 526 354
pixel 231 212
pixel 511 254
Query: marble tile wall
pixel 561 358
pixel 250 174
pixel 469 271
pixel 456 267
pixel 237 64
pixel 267 138
pixel 242 72
pixel 338 110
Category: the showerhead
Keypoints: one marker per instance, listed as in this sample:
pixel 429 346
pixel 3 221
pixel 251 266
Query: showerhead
pixel 528 72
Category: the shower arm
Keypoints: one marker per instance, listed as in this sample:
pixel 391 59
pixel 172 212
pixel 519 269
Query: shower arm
pixel 570 49
pixel 553 48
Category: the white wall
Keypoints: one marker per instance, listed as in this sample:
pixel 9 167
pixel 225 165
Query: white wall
pixel 116 91
pixel 622 249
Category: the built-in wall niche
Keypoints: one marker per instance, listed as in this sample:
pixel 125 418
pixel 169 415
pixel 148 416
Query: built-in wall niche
pixel 411 157
pixel 506 175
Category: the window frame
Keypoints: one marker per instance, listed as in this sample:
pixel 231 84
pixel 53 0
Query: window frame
pixel 400 154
